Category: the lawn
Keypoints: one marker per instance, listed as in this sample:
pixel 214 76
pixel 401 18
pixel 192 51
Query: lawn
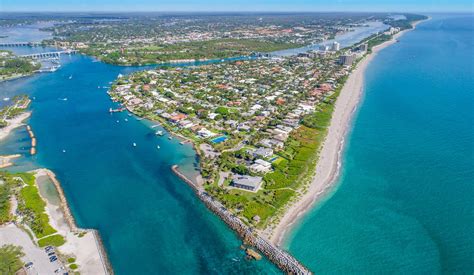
pixel 32 206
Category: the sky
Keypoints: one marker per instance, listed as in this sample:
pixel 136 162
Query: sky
pixel 238 5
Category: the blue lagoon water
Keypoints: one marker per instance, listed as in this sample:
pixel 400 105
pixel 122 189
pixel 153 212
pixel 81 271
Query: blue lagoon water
pixel 150 221
pixel 404 202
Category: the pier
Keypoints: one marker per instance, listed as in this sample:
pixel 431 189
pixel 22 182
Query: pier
pixel 48 54
pixel 279 257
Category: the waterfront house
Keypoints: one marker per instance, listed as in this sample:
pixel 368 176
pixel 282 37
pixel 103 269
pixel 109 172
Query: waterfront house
pixel 261 166
pixel 246 182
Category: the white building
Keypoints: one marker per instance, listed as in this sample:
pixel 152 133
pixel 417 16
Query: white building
pixel 261 166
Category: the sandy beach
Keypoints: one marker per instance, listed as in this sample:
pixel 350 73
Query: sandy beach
pixel 85 248
pixel 13 124
pixel 327 169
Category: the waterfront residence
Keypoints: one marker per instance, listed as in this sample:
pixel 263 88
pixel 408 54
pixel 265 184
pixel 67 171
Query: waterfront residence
pixel 246 182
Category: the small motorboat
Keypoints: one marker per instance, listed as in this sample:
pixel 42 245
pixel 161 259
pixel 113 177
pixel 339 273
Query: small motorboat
pixel 159 133
pixel 70 77
pixel 158 147
pixel 134 144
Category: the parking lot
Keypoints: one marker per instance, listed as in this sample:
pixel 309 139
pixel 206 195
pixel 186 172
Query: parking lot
pixel 10 234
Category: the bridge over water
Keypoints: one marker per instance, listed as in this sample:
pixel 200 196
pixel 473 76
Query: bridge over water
pixel 48 54
pixel 20 44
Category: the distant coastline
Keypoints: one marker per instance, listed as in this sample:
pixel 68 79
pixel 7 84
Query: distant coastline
pixel 329 163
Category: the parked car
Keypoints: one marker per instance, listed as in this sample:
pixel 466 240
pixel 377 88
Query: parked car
pixel 28 265
pixel 51 253
pixel 53 258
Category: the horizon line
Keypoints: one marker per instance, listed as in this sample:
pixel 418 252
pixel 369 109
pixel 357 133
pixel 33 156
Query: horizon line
pixel 242 11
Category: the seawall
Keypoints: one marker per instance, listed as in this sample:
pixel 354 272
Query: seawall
pixel 280 258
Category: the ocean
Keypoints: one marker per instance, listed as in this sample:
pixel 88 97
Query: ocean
pixel 401 205
pixel 404 201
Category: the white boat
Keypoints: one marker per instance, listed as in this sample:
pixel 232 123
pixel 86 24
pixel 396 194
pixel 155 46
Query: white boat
pixel 6 99
pixel 126 119
pixel 158 147
pixel 134 144
pixel 64 151
pixel 118 121
pixel 159 133
pixel 156 125
pixel 70 77
pixel 170 137
pixel 63 99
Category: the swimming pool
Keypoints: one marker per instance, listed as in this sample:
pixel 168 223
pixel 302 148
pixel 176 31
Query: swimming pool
pixel 219 139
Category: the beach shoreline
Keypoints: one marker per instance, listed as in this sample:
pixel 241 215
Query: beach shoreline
pixel 330 159
pixel 86 244
pixel 13 124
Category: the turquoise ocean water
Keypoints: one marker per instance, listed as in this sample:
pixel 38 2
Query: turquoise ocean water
pixel 404 202
pixel 150 220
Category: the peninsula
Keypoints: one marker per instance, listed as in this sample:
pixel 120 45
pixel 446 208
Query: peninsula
pixel 269 130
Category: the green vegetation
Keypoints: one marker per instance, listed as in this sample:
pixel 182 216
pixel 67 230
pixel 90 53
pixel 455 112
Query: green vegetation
pixel 31 206
pixel 5 193
pixel 212 49
pixel 406 23
pixel 295 164
pixel 7 188
pixel 18 106
pixel 377 40
pixel 73 266
pixel 54 240
pixel 10 259
pixel 11 66
pixel 71 260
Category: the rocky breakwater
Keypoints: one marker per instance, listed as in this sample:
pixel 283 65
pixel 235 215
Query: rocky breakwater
pixel 279 257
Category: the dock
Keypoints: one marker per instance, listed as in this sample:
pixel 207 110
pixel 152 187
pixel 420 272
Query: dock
pixel 279 257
